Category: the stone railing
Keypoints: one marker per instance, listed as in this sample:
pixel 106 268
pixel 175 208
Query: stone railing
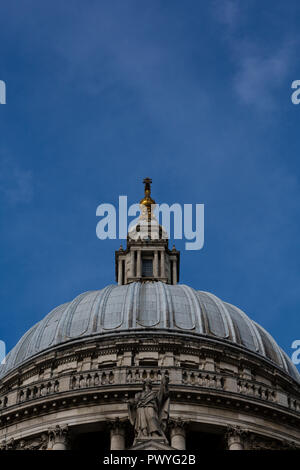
pixel 202 379
pixel 138 374
pixel 135 375
pixel 256 390
pixel 120 375
pixel 38 390
pixel 92 379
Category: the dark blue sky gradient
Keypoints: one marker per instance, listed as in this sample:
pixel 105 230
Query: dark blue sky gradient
pixel 195 95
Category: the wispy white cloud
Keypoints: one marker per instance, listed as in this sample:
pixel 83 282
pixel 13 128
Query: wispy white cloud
pixel 258 77
pixel 227 12
pixel 259 68
pixel 16 183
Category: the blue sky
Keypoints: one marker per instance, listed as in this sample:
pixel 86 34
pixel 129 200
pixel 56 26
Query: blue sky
pixel 195 95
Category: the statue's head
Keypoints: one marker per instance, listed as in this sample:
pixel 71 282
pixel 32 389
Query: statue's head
pixel 147 384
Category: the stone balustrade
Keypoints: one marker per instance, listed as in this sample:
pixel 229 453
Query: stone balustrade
pixel 124 375
pixel 138 374
pixel 38 390
pixel 92 379
pixel 202 379
pixel 257 390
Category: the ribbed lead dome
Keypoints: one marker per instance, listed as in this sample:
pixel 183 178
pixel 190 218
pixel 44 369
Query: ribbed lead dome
pixel 151 305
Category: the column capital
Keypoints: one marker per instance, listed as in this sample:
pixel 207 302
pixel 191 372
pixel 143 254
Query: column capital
pixel 178 433
pixel 178 423
pixel 116 424
pixel 58 437
pixel 117 433
pixel 235 436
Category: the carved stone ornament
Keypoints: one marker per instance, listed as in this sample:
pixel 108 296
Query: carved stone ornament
pixel 58 437
pixel 37 443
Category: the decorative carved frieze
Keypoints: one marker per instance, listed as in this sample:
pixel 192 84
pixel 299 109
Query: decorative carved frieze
pixel 9 444
pixel 55 438
pixel 41 443
pixel 258 442
pixel 36 443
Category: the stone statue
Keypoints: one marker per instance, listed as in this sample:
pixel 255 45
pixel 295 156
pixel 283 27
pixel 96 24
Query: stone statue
pixel 149 410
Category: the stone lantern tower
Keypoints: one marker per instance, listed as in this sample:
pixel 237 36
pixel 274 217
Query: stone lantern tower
pixel 147 256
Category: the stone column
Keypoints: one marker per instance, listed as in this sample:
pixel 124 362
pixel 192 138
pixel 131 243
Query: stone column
pixel 155 264
pixel 120 272
pixel 174 267
pixel 58 437
pixel 139 265
pixel 132 263
pixel 162 264
pixel 117 435
pixel 178 434
pixel 234 436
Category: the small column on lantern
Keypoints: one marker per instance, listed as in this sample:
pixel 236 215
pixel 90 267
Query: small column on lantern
pixel 120 272
pixel 139 264
pixel 132 263
pixel 155 264
pixel 162 264
pixel 174 267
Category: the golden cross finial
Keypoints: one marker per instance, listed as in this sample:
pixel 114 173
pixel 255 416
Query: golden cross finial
pixel 147 201
pixel 147 182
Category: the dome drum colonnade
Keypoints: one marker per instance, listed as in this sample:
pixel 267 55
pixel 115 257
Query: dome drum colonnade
pixel 231 386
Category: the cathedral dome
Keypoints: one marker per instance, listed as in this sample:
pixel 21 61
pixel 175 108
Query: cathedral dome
pixel 151 306
pixel 68 382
